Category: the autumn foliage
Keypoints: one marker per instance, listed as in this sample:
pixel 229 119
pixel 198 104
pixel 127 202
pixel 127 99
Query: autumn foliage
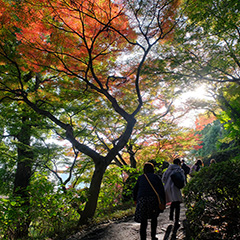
pixel 78 65
pixel 203 120
pixel 66 34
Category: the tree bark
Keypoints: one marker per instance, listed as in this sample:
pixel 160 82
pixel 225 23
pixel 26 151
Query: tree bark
pixel 94 189
pixel 22 178
pixel 132 156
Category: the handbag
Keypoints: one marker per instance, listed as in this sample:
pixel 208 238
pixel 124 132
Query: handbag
pixel 178 179
pixel 161 205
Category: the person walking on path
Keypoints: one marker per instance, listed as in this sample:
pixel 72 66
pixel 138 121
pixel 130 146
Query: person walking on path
pixel 173 193
pixel 212 162
pixel 196 167
pixel 186 169
pixel 147 200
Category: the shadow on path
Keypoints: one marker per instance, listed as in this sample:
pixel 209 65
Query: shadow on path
pixel 171 230
pixel 168 232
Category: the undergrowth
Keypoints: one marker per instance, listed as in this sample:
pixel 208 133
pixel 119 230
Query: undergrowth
pixel 212 199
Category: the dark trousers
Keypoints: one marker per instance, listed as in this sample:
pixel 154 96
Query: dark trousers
pixel 143 228
pixel 175 206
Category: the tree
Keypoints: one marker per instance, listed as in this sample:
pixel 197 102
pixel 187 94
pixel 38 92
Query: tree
pixel 228 100
pixel 207 47
pixel 210 132
pixel 72 49
pixel 22 153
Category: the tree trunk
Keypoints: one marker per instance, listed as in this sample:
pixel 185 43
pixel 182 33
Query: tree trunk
pixel 132 156
pixel 94 189
pixel 22 178
pixel 101 164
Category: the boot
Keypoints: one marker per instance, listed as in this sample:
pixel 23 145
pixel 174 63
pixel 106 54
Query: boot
pixel 176 224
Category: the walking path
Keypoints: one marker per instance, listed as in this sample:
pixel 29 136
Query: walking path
pixel 129 230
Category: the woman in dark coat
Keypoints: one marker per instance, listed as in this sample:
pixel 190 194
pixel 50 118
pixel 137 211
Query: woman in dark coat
pixel 147 201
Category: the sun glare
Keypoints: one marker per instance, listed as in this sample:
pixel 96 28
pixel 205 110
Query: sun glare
pixel 199 93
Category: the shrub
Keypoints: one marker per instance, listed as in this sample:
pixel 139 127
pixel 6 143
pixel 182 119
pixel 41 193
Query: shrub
pixel 212 199
pixel 12 215
pixel 51 210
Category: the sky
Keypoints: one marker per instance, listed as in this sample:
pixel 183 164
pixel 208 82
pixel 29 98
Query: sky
pixel 198 93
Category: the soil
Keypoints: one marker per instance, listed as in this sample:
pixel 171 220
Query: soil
pixel 127 229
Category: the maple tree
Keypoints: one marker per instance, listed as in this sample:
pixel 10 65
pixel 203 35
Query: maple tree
pixel 203 120
pixel 206 46
pixel 169 143
pixel 66 57
pixel 211 136
pixel 216 54
pixel 205 49
pixel 217 135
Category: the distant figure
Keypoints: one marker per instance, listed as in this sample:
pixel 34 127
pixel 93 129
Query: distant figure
pixel 186 169
pixel 173 193
pixel 196 167
pixel 147 201
pixel 213 161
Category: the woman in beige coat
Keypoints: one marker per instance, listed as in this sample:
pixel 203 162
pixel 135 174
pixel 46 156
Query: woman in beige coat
pixel 173 193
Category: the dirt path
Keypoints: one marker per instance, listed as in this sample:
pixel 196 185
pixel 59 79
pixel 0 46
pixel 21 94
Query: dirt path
pixel 129 230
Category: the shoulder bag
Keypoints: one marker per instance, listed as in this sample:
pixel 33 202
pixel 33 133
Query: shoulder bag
pixel 161 205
